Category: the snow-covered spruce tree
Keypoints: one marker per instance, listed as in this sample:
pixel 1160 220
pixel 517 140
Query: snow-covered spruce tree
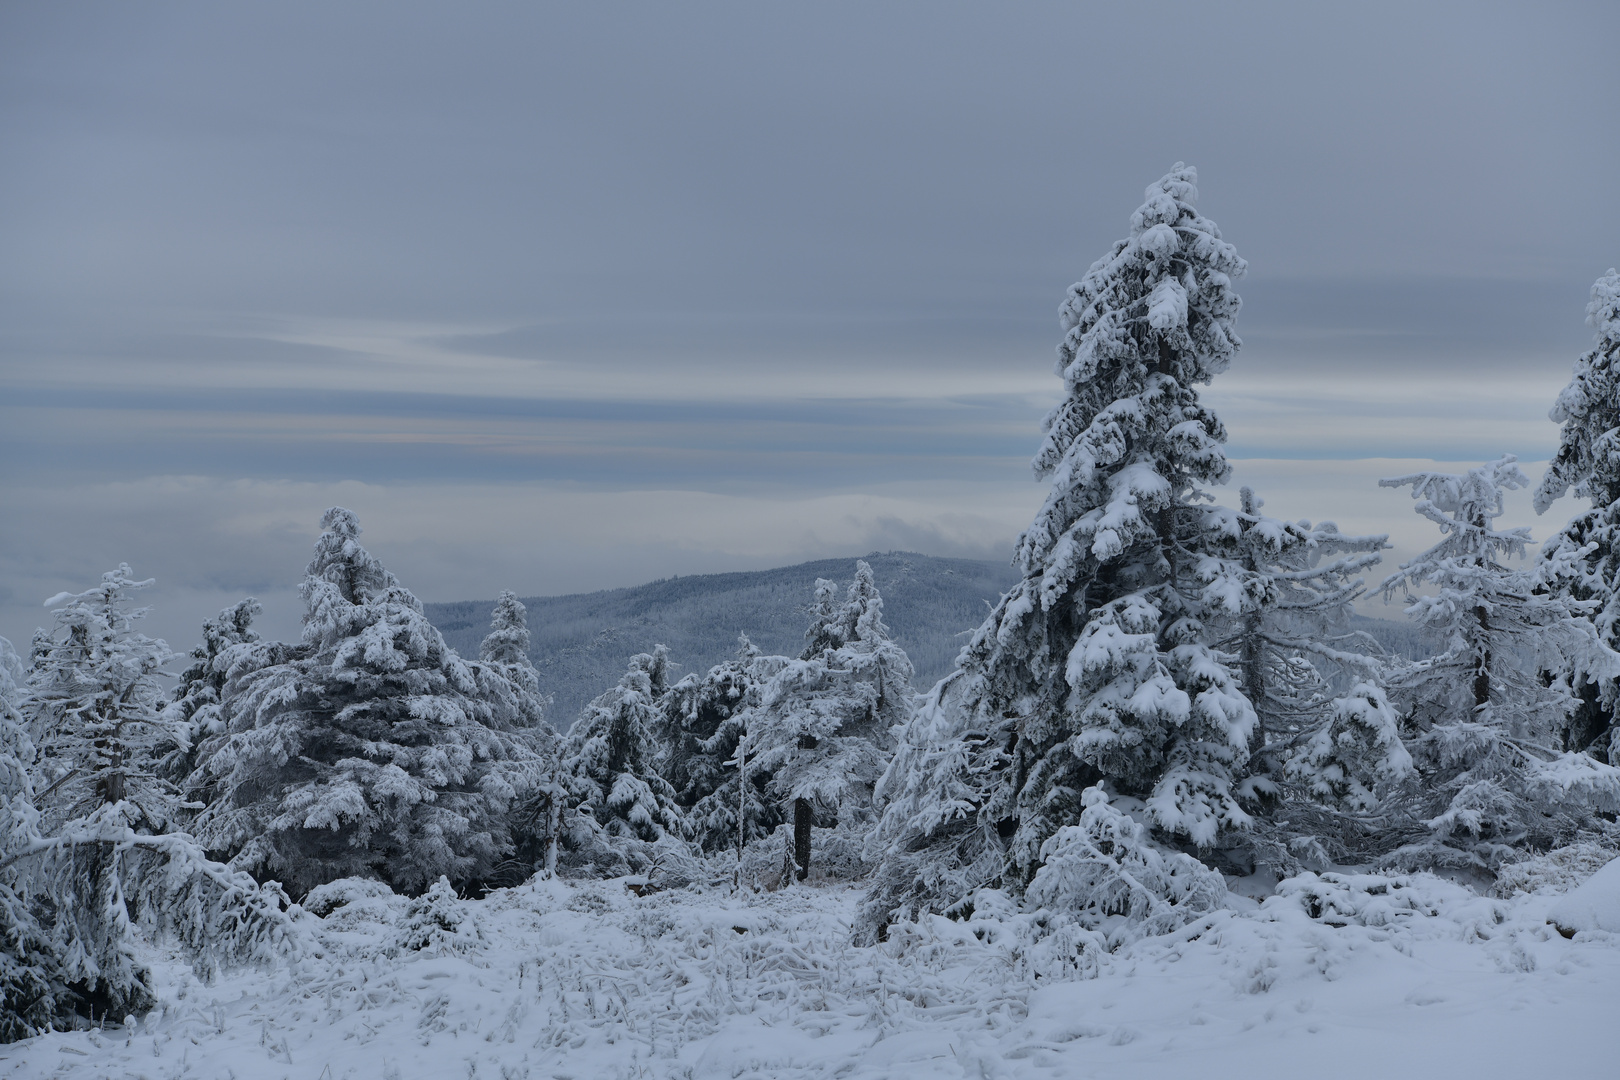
pixel 1099 667
pixel 72 896
pixel 824 722
pixel 1483 723
pixel 618 796
pixel 94 706
pixel 194 712
pixel 369 750
pixel 507 644
pixel 703 719
pixel 1354 760
pixel 1582 560
pixel 507 678
pixel 33 993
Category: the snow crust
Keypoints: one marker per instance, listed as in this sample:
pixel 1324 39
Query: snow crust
pixel 589 980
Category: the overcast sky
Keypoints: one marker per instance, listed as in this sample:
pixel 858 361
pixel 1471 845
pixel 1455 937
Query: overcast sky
pixel 562 297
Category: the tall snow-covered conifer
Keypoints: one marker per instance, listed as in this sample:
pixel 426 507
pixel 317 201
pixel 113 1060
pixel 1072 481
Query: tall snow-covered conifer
pixel 1099 665
pixel 506 678
pixel 1583 560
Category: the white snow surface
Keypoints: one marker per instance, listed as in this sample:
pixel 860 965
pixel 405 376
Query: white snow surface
pixel 1592 905
pixel 553 981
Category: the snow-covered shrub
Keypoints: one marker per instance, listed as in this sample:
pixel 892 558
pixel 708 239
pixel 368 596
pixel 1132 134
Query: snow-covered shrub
pixel 435 920
pixel 351 893
pixel 1555 871
pixel 1364 899
pixel 767 862
pixel 1107 874
pixel 841 853
pixel 1593 905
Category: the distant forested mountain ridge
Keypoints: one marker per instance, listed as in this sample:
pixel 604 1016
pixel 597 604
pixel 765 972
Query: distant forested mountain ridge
pixel 580 644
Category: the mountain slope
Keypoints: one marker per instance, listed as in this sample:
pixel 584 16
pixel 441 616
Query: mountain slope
pixel 581 643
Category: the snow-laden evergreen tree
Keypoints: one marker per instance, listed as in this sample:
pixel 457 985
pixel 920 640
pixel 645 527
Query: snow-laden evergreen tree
pixel 1354 760
pixel 824 722
pixel 1106 874
pixel 75 890
pixel 703 720
pixel 507 678
pixel 507 642
pixel 506 672
pixel 1286 604
pixel 95 707
pixel 194 713
pixel 1484 724
pixel 368 750
pixel 1582 560
pixel 609 756
pixel 1100 666
pixel 33 993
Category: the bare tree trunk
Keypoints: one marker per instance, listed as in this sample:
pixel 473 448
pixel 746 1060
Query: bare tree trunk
pixel 554 826
pixel 742 811
pixel 1253 650
pixel 802 819
pixel 1482 672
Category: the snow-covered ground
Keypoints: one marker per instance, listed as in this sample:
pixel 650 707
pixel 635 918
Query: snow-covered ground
pixel 1421 978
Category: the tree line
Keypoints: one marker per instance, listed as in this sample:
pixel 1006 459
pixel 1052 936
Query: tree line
pixel 1174 688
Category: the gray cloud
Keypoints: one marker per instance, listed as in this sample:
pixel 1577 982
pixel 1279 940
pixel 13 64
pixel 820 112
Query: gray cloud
pixel 624 261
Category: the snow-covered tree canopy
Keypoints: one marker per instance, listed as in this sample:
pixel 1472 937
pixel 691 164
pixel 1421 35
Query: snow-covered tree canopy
pixel 1582 561
pixel 194 713
pixel 703 721
pixel 95 704
pixel 1098 666
pixel 370 749
pixel 1487 726
pixel 609 753
pixel 1588 458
